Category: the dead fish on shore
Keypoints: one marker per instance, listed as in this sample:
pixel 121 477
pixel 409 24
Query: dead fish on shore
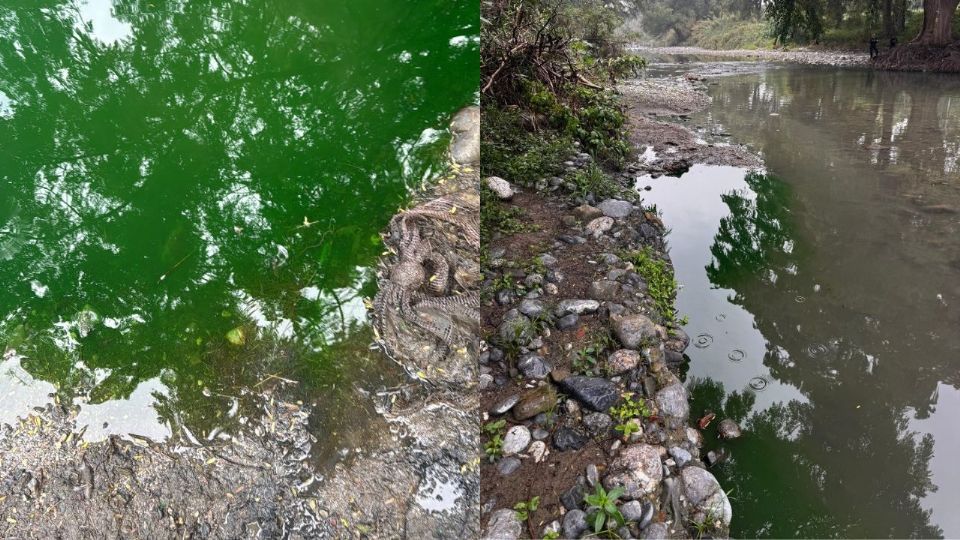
pixel 705 421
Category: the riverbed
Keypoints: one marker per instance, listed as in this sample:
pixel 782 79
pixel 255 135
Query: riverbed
pixel 823 296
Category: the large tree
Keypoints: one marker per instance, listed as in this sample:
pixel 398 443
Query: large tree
pixel 937 22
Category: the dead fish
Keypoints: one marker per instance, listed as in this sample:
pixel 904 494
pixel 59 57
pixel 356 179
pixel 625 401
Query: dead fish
pixel 705 421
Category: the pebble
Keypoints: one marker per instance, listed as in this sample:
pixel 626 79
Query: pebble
pixel 600 225
pixel 568 439
pixel 593 475
pixel 615 208
pixel 681 456
pixel 574 523
pixel 552 527
pixel 534 402
pixel 586 213
pixel 508 465
pixel 578 307
pixel 539 451
pixel 534 367
pixel 505 405
pixel 540 434
pixel 516 440
pixel 548 260
pixel 623 360
pixel 551 289
pixel 531 308
pixel 568 321
pixel 597 423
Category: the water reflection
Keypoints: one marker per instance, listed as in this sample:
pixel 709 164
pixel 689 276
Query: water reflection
pixel 176 171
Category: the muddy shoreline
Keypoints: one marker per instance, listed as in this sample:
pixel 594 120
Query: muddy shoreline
pixel 584 343
pixel 798 56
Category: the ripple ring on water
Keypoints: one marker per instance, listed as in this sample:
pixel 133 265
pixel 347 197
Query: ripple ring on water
pixel 703 341
pixel 800 299
pixel 721 317
pixel 816 350
pixel 758 383
pixel 736 355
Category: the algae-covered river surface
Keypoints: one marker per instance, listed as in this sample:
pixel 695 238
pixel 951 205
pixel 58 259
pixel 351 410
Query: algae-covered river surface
pixel 824 299
pixel 191 195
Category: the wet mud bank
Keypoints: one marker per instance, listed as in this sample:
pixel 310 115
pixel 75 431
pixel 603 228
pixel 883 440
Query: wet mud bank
pixel 582 402
pixel 416 477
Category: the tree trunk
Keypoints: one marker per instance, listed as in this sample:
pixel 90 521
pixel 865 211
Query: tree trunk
pixel 937 22
pixel 888 18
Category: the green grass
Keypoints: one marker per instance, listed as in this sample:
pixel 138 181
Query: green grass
pixel 498 217
pixel 730 33
pixel 661 284
pixel 594 180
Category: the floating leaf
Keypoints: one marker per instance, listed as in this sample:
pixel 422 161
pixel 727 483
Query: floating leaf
pixel 236 337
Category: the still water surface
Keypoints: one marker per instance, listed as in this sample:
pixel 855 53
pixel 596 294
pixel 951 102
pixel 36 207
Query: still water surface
pixel 824 299
pixel 175 172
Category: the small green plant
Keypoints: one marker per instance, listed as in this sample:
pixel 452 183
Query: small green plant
pixel 585 361
pixel 661 284
pixel 524 508
pixel 594 180
pixel 503 282
pixel 627 428
pixel 496 216
pixel 629 409
pixel 494 447
pixel 602 508
pixel 551 535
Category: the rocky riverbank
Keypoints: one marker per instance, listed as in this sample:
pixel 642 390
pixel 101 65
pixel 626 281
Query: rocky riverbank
pixel 797 56
pixel 582 400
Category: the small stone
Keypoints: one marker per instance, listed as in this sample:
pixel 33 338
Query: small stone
pixel 531 308
pixel 656 531
pixel 548 260
pixel 568 439
pixel 539 434
pixel 533 280
pixel 574 523
pixel 505 297
pixel 597 393
pixel 728 429
pixel 539 451
pixel 508 465
pixel 573 497
pixel 634 330
pixel 568 321
pixel 578 307
pixel 705 494
pixel 552 528
pixel 502 188
pixel 516 328
pixel 586 213
pixel 505 405
pixel 534 367
pixel 681 456
pixel 597 423
pixel 503 525
pixel 623 360
pixel 636 511
pixel 615 208
pixel 534 402
pixel 599 226
pixel 604 290
pixel 484 381
pixel 516 440
pixel 593 475
pixel 551 289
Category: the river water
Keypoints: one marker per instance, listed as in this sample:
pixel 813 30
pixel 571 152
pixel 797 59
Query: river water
pixel 191 194
pixel 823 297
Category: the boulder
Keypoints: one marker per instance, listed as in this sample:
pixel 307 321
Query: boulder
pixel 637 470
pixel 615 208
pixel 705 496
pixel 600 225
pixel 672 401
pixel 622 361
pixel 500 187
pixel 596 393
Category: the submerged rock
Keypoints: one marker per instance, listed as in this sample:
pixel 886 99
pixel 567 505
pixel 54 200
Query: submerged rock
pixel 728 429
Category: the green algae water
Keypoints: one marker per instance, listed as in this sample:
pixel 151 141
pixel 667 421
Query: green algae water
pixel 191 195
pixel 823 297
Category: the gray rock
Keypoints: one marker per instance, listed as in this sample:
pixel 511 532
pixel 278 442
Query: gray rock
pixel 596 393
pixel 599 226
pixel 500 187
pixel 728 429
pixel 593 475
pixel 597 423
pixel 534 367
pixel 637 512
pixel 531 308
pixel 615 208
pixel 637 469
pixel 508 465
pixel 574 523
pixel 622 361
pixel 604 290
pixel 656 531
pixel 573 497
pixel 505 405
pixel 539 434
pixel 551 289
pixel 579 307
pixel 568 321
pixel 503 525
pixel 484 381
pixel 505 297
pixel 533 280
pixel 516 440
pixel 634 330
pixel 705 495
pixel 672 401
pixel 681 456
pixel 548 260
pixel 569 439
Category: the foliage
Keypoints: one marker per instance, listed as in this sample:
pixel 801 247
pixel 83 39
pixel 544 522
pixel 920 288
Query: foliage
pixel 593 180
pixel 524 508
pixel 627 428
pixel 661 284
pixel 629 409
pixel 551 535
pixel 494 447
pixel 602 508
pixel 795 19
pixel 516 153
pixel 731 33
pixel 497 217
pixel 586 360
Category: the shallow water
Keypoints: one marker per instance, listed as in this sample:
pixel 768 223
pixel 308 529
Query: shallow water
pixel 191 195
pixel 825 297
